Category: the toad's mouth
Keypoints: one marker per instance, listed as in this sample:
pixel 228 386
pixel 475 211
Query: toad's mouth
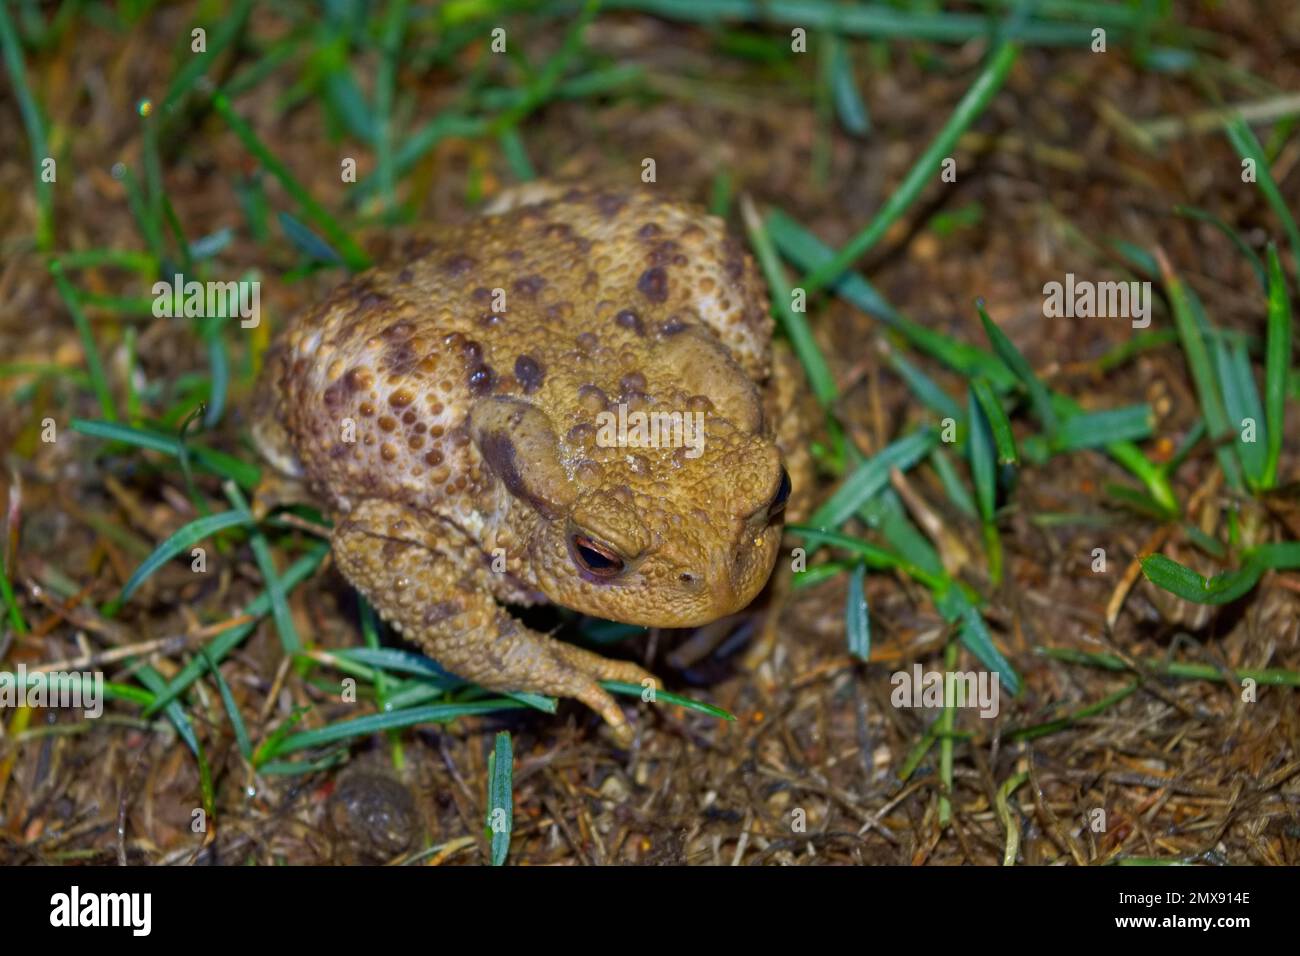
pixel 646 596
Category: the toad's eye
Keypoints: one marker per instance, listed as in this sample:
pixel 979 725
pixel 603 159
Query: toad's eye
pixel 777 506
pixel 598 560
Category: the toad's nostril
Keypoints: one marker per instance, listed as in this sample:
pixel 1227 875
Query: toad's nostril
pixel 686 578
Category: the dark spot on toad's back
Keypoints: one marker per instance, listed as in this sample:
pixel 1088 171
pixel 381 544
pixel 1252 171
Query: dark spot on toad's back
pixel 608 204
pixel 369 301
pixel 357 379
pixel 672 326
pixel 417 249
pixel 665 253
pixel 630 320
pixel 529 285
pixel 401 329
pixel 459 264
pixel 593 398
pixel 648 231
pixel 529 373
pixel 653 284
pixel 481 380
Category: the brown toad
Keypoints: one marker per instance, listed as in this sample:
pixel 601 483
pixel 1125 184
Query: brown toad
pixel 459 413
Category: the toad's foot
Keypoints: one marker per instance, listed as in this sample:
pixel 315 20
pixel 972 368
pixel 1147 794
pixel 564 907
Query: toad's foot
pixel 412 576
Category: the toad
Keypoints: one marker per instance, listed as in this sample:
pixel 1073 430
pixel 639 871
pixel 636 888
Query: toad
pixel 573 398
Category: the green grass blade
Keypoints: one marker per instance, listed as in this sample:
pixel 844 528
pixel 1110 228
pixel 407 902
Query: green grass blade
pixel 806 251
pixel 667 697
pixel 394 26
pixel 886 514
pixel 871 476
pixel 36 140
pixel 1276 361
pixel 173 710
pixel 980 452
pixel 16 620
pixel 226 641
pixel 953 486
pixel 1277 555
pixel 968 109
pixel 500 808
pixel 397 661
pixel 1191 333
pixel 1249 147
pixel 872 555
pixel 227 28
pixel 286 768
pixel 284 625
pixel 178 541
pixel 1099 429
pixel 925 388
pixel 1271 676
pixel 857 620
pixel 1183 581
pixel 794 323
pixel 1014 360
pixel 870 20
pixel 307 242
pixel 1204 215
pixel 314 211
pixel 218 463
pixel 422 141
pixel 516 153
pixel 373 723
pixel 974 634
pixel 1241 400
pixel 999 425
pixel 219 370
pixel 90 351
pixel 232 709
pixel 844 88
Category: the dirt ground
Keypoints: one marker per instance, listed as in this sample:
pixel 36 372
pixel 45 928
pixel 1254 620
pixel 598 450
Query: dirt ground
pixel 811 771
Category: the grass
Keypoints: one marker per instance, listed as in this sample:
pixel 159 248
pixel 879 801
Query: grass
pixel 33 123
pixel 500 804
pixel 1006 416
pixel 922 173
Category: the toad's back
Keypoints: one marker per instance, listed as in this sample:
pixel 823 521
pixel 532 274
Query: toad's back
pixel 568 301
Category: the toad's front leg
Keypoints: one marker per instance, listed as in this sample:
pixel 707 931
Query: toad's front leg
pixel 413 570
